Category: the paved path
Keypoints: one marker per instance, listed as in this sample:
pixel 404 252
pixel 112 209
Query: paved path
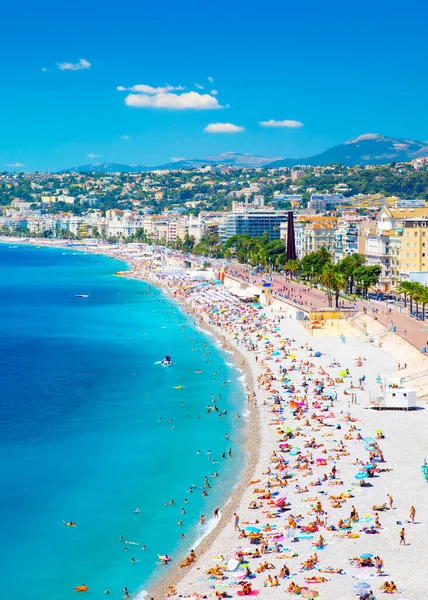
pixel 310 299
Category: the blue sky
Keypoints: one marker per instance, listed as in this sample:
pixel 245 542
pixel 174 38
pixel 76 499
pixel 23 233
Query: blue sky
pixel 340 69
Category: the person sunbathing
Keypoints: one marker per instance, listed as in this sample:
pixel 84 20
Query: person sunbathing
pixel 293 588
pixel 268 581
pixel 315 579
pixel 256 553
pixel 247 589
pixel 284 572
pixel 188 560
pixel 262 567
pixel 309 563
pixel 363 562
pixel 311 528
pixel 330 570
pixel 291 522
pixel 380 507
pixel 216 571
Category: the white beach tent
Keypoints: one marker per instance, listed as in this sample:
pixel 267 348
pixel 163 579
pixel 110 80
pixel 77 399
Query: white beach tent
pixel 394 396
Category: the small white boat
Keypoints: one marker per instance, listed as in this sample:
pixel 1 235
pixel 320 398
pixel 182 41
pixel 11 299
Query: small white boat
pixel 82 295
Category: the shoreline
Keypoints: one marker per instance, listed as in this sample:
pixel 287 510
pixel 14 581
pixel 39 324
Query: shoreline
pixel 251 433
pixel 250 430
pixel 308 361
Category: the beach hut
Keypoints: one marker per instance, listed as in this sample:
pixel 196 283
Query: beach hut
pixel 394 396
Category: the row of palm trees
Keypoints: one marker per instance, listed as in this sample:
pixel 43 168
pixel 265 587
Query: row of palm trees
pixel 414 292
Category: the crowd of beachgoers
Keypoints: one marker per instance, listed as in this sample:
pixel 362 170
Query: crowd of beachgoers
pixel 313 519
pixel 333 507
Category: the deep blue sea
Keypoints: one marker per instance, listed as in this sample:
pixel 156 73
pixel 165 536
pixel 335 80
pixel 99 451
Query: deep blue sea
pixel 81 398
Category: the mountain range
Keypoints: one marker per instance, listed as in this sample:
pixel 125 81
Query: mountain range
pixel 367 149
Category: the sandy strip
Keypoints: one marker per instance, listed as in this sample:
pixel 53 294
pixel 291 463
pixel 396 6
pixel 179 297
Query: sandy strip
pixel 405 447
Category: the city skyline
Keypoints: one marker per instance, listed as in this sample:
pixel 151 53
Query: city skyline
pixel 158 87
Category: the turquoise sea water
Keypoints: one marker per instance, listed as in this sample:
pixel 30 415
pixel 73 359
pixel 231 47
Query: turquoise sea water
pixel 81 439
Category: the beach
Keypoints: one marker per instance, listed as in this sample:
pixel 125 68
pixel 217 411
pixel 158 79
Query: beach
pixel 402 445
pixel 315 518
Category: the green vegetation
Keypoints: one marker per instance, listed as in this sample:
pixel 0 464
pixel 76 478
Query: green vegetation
pixel 414 292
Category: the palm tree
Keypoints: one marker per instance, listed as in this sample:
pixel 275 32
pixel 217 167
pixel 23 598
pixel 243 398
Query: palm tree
pixel 416 293
pixel 403 289
pixel 327 279
pixel 291 267
pixel 339 283
pixel 423 298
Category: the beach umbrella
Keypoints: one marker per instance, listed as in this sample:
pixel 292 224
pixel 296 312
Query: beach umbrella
pixel 317 354
pixel 362 586
pixel 361 475
pixel 252 529
pixel 343 373
pixel 366 555
pixel 368 467
pixel 280 500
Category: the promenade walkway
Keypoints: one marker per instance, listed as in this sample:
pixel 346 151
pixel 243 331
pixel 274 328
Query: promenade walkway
pixel 311 299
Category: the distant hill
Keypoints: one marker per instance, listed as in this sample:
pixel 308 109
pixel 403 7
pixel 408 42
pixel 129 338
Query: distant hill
pixel 367 149
pixel 230 159
pixel 106 167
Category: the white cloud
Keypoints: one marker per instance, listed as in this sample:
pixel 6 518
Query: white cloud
pixel 187 100
pixel 286 123
pixel 223 128
pixel 45 69
pixel 213 92
pixel 211 79
pixel 79 66
pixel 199 86
pixel 125 137
pixel 92 155
pixel 142 88
pixel 17 164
